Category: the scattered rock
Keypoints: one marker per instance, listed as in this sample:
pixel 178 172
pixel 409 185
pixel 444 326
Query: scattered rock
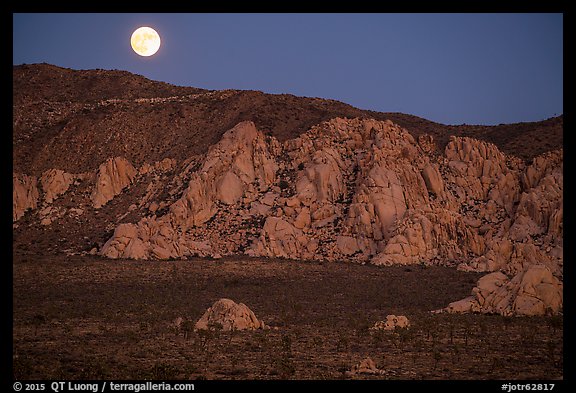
pixel 75 211
pixel 49 214
pixel 392 322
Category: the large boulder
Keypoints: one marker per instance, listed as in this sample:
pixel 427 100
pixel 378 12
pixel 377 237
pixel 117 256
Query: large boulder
pixel 433 179
pixel 229 188
pixel 542 204
pixel 425 235
pixel 378 203
pixel 225 314
pixel 474 166
pixel 347 245
pixel 322 180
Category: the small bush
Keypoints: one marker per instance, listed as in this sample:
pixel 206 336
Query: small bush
pixel 162 371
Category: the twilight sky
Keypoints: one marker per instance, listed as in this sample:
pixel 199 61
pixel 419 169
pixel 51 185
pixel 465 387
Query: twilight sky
pixel 449 68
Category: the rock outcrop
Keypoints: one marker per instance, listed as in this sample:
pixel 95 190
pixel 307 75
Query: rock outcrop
pixel 113 176
pixel 353 181
pixel 236 170
pixel 226 315
pixel 55 182
pixel 152 239
pixel 523 226
pixel 534 291
pixel 24 194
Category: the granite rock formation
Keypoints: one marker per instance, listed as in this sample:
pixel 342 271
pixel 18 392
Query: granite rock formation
pixel 358 189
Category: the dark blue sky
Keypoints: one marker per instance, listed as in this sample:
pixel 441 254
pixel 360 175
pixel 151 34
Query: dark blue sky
pixel 449 68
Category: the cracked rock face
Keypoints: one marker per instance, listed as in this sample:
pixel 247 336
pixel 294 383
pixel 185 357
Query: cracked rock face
pixel 113 176
pixel 55 182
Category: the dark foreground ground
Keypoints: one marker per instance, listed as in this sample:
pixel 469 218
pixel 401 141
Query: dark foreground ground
pixel 87 318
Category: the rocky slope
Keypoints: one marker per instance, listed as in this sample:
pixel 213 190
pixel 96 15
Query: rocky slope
pixel 75 120
pixel 129 176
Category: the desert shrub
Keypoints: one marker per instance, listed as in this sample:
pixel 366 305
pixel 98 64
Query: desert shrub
pixel 285 367
pixel 37 321
pixel 21 368
pixel 187 328
pixel 284 364
pixel 556 322
pixel 132 336
pixel 163 371
pixel 97 369
pixel 437 356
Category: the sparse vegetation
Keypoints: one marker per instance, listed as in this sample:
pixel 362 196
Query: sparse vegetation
pixel 37 321
pixel 114 320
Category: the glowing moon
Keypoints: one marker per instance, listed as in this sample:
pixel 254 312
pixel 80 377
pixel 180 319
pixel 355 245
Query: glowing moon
pixel 145 41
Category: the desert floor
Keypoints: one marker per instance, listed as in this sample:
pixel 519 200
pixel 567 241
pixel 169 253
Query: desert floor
pixel 89 318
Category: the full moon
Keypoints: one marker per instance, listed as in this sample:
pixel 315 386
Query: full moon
pixel 145 41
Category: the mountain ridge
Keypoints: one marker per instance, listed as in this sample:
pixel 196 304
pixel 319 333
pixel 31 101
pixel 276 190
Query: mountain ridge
pixel 60 110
